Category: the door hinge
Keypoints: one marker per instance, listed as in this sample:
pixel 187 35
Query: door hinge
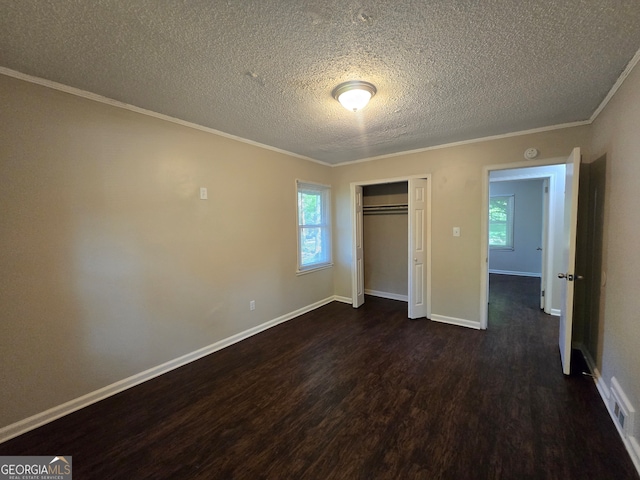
pixel 546 189
pixel 543 293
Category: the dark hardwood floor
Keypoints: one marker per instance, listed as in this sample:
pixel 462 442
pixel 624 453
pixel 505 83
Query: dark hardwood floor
pixel 357 394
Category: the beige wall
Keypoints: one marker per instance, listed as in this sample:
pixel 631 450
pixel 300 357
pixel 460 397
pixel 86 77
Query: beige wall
pixel 456 202
pixel 616 135
pixel 111 264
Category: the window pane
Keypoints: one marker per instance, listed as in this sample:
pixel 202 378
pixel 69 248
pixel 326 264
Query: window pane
pixel 310 208
pixel 312 248
pixel 501 221
pixel 498 208
pixel 314 226
pixel 498 235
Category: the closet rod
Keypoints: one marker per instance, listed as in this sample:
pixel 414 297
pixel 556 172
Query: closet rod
pixel 397 208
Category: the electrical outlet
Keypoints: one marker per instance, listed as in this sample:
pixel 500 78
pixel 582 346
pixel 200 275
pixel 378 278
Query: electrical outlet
pixel 252 305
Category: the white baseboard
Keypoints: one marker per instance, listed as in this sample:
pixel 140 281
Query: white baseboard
pixel 390 296
pixel 635 456
pixel 35 421
pixel 517 274
pixel 555 312
pixel 338 298
pixel 630 442
pixel 461 322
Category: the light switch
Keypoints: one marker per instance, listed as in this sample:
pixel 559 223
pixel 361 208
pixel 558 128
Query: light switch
pixel 203 193
pixel 456 231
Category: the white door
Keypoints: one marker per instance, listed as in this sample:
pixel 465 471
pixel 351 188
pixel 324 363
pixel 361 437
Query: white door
pixel 572 179
pixel 417 247
pixel 358 286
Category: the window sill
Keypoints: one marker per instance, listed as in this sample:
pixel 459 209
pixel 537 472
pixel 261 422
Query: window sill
pixel 501 249
pixel 314 268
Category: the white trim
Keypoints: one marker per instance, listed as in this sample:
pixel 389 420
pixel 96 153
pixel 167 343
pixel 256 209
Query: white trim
pixel 595 373
pixel 315 268
pixel 620 397
pixel 390 296
pixel 521 164
pixel 630 442
pixel 484 226
pixel 468 142
pixel 461 322
pixel 634 451
pixel 327 206
pixel 555 312
pixel 518 274
pixel 625 73
pixel 354 273
pixel 116 103
pixel 35 421
pixel 356 216
pixel 341 299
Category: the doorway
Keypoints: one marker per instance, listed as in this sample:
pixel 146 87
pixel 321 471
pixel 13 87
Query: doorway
pixel 518 241
pixel 415 244
pixel 550 178
pixel 588 310
pixel 385 230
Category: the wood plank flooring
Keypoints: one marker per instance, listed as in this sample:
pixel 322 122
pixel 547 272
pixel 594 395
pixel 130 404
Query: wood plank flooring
pixel 357 394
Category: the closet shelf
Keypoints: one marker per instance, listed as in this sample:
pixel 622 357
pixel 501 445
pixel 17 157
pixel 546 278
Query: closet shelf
pixel 389 208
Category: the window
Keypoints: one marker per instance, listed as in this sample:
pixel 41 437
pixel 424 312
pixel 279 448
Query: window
pixel 314 226
pixel 501 222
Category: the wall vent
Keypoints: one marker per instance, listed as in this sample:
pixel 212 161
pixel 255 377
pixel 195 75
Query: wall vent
pixel 622 409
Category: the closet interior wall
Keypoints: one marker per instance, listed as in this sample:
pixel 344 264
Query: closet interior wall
pixel 385 240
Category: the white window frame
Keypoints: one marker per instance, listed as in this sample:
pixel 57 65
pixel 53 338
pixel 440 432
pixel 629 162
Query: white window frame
pixel 324 225
pixel 509 223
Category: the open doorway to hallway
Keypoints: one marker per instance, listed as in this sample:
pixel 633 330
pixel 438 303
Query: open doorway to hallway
pixel 526 208
pixel 518 211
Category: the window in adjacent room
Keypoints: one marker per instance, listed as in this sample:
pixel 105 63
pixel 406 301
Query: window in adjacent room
pixel 501 222
pixel 314 226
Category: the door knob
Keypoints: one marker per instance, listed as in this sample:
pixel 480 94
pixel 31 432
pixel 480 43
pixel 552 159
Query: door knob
pixel 568 276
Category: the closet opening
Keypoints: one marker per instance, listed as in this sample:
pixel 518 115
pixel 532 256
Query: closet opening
pixel 391 242
pixel 385 235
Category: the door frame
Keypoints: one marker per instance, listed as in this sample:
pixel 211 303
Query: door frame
pixel 484 226
pixel 354 260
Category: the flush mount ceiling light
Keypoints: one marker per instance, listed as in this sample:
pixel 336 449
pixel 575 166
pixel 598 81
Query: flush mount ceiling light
pixel 354 95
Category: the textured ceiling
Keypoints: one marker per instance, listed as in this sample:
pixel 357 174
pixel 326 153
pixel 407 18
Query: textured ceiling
pixel 445 70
